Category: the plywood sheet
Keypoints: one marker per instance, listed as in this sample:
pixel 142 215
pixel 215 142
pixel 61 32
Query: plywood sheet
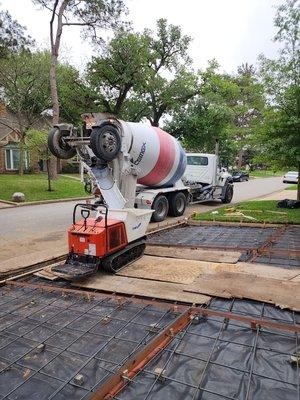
pixel 282 293
pixel 296 278
pixel 186 271
pixel 194 254
pixel 166 269
pixel 265 270
pixel 142 287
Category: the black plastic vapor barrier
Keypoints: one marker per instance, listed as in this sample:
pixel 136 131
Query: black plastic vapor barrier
pixel 222 359
pixel 216 236
pixel 55 346
pixel 58 346
pixel 284 251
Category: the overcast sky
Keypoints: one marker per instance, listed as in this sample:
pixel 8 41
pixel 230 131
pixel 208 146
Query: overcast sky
pixel 232 31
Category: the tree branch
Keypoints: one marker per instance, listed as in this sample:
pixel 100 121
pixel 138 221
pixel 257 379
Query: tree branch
pixel 51 23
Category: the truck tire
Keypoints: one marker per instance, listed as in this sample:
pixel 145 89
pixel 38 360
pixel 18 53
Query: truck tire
pixel 105 142
pixel 177 204
pixel 161 208
pixel 58 147
pixel 228 194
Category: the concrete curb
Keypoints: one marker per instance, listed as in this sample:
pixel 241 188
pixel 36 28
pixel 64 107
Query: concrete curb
pixel 33 203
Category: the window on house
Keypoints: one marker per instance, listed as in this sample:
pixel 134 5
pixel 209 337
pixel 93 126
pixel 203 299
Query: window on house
pixel 12 158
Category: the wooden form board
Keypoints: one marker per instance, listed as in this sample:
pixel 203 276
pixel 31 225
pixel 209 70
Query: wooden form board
pixel 186 271
pixel 142 287
pixel 46 273
pixel 285 294
pixel 193 254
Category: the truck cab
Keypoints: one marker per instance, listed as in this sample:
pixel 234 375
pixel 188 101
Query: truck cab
pixel 203 168
pixel 203 180
pixel 206 179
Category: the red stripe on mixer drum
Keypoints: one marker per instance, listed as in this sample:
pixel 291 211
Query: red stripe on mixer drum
pixel 164 162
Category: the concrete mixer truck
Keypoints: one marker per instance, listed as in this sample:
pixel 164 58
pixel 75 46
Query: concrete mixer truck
pixel 139 172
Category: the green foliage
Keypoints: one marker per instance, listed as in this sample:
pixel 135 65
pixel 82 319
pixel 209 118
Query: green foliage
pixel 262 211
pixel 279 136
pixel 266 173
pixel 208 116
pixel 170 83
pixel 37 143
pixel 169 47
pixel 143 75
pixel 122 67
pixel 75 97
pixel 90 15
pixel 13 38
pixel 227 108
pixel 24 78
pixel 292 187
pixel 35 187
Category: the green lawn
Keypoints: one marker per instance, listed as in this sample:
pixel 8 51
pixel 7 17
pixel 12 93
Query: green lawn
pixel 35 186
pixel 292 187
pixel 261 211
pixel 266 173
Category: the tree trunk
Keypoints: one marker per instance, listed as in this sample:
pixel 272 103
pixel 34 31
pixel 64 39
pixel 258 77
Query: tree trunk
pixel 53 162
pixel 155 119
pixel 49 175
pixel 240 159
pixel 298 187
pixel 53 88
pixel 55 44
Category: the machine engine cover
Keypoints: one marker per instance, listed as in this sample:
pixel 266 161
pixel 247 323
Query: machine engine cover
pixel 91 238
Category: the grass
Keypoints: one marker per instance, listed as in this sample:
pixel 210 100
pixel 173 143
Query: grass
pixel 261 211
pixel 292 187
pixel 35 186
pixel 266 173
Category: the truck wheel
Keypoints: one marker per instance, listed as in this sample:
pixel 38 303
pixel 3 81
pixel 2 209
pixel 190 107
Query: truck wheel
pixel 105 142
pixel 228 195
pixel 58 147
pixel 177 204
pixel 161 208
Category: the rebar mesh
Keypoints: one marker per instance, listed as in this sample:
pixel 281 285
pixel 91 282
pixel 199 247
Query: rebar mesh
pixel 214 236
pixel 47 339
pixel 220 359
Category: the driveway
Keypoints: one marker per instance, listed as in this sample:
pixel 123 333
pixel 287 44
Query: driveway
pixel 27 230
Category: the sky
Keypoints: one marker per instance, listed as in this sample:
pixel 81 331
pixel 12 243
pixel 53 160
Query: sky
pixel 232 31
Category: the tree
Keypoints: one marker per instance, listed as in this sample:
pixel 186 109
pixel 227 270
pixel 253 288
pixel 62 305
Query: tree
pixel 208 116
pixel 168 57
pixel 88 14
pixel 75 96
pixel 26 91
pixel 13 38
pixel 280 138
pixel 248 106
pixel 122 68
pixel 36 142
pixel 163 96
pixel 144 75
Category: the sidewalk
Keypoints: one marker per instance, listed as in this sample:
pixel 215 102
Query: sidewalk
pixel 284 194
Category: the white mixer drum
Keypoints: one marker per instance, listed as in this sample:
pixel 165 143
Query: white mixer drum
pixel 159 157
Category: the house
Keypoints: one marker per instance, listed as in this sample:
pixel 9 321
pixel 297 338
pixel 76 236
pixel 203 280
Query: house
pixel 9 141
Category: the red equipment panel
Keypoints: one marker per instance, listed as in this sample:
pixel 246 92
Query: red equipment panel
pixel 93 239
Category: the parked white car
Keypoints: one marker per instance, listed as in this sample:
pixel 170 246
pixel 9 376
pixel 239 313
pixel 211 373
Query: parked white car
pixel 291 177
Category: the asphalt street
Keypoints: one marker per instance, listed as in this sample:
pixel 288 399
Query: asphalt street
pixel 34 228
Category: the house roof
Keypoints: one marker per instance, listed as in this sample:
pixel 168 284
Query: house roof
pixel 9 123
